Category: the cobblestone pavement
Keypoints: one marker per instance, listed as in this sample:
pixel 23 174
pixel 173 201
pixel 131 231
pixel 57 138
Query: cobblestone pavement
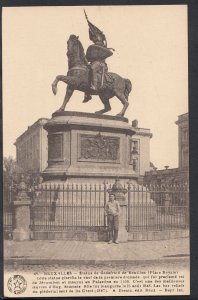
pixel 178 264
pixel 80 251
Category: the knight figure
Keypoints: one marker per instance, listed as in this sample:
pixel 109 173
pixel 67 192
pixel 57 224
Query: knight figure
pixel 88 73
pixel 96 55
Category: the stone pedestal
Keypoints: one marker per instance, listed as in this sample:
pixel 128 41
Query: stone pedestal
pixel 22 220
pixel 88 148
pixel 123 234
pixel 22 213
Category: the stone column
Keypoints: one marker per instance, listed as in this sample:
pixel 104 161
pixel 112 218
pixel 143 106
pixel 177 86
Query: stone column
pixel 123 234
pixel 119 192
pixel 22 213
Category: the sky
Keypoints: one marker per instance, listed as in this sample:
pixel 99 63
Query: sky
pixel 150 45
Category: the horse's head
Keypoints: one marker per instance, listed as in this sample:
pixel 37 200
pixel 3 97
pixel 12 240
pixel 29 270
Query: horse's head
pixel 75 51
pixel 72 43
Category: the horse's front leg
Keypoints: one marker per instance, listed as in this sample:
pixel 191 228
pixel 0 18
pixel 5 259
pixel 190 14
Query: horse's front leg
pixel 68 95
pixel 55 82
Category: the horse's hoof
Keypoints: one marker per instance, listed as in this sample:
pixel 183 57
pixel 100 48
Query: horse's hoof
pixel 98 112
pixel 119 115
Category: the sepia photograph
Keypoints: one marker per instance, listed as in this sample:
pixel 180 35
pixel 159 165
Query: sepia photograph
pixel 95 151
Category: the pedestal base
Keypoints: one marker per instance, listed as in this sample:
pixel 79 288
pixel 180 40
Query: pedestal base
pixel 22 220
pixel 21 234
pixel 122 235
pixel 86 148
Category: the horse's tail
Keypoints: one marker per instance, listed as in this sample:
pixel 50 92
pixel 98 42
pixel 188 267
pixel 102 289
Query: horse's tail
pixel 128 88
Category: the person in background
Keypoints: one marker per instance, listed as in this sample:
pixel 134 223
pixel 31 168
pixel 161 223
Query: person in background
pixel 112 211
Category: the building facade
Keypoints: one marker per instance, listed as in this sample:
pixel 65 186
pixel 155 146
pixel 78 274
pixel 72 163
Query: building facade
pixel 140 149
pixel 32 148
pixel 174 175
pixel 183 141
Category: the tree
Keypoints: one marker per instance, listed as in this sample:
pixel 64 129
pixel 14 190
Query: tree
pixel 11 171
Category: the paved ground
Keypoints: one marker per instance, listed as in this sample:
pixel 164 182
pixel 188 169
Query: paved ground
pixel 76 252
pixel 178 264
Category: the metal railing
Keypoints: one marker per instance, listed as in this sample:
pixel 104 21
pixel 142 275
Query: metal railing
pixel 158 207
pixel 8 211
pixel 81 207
pixel 68 207
pixel 8 221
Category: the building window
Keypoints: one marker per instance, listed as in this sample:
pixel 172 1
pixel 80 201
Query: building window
pixel 184 135
pixel 185 162
pixel 135 146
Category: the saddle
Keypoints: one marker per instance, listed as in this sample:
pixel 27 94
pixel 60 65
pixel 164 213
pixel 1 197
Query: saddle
pixel 108 78
pixel 104 78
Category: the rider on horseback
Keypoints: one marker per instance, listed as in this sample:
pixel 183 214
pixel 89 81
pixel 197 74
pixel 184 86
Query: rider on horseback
pixel 88 73
pixel 96 55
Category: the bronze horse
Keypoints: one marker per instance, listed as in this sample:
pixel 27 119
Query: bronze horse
pixel 78 78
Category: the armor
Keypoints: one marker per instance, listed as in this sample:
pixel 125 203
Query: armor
pixel 98 68
pixel 96 55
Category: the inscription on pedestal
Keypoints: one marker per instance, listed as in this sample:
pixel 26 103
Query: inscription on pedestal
pixel 55 144
pixel 99 148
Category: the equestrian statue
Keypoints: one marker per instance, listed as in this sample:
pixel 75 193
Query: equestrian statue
pixel 89 73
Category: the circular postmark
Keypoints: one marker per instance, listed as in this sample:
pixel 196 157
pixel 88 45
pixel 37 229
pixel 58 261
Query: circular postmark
pixel 17 284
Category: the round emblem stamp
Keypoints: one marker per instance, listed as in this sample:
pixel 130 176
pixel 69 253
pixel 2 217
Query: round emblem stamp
pixel 17 284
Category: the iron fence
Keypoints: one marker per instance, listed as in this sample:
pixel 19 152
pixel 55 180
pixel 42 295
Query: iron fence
pixel 8 211
pixel 8 221
pixel 158 207
pixel 68 207
pixel 81 207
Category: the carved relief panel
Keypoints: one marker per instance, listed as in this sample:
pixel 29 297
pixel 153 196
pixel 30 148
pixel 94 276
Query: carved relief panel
pixel 98 148
pixel 55 146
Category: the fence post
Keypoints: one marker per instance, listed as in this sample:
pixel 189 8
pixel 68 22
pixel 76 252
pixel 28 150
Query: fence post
pixel 129 205
pixel 105 200
pixel 22 213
